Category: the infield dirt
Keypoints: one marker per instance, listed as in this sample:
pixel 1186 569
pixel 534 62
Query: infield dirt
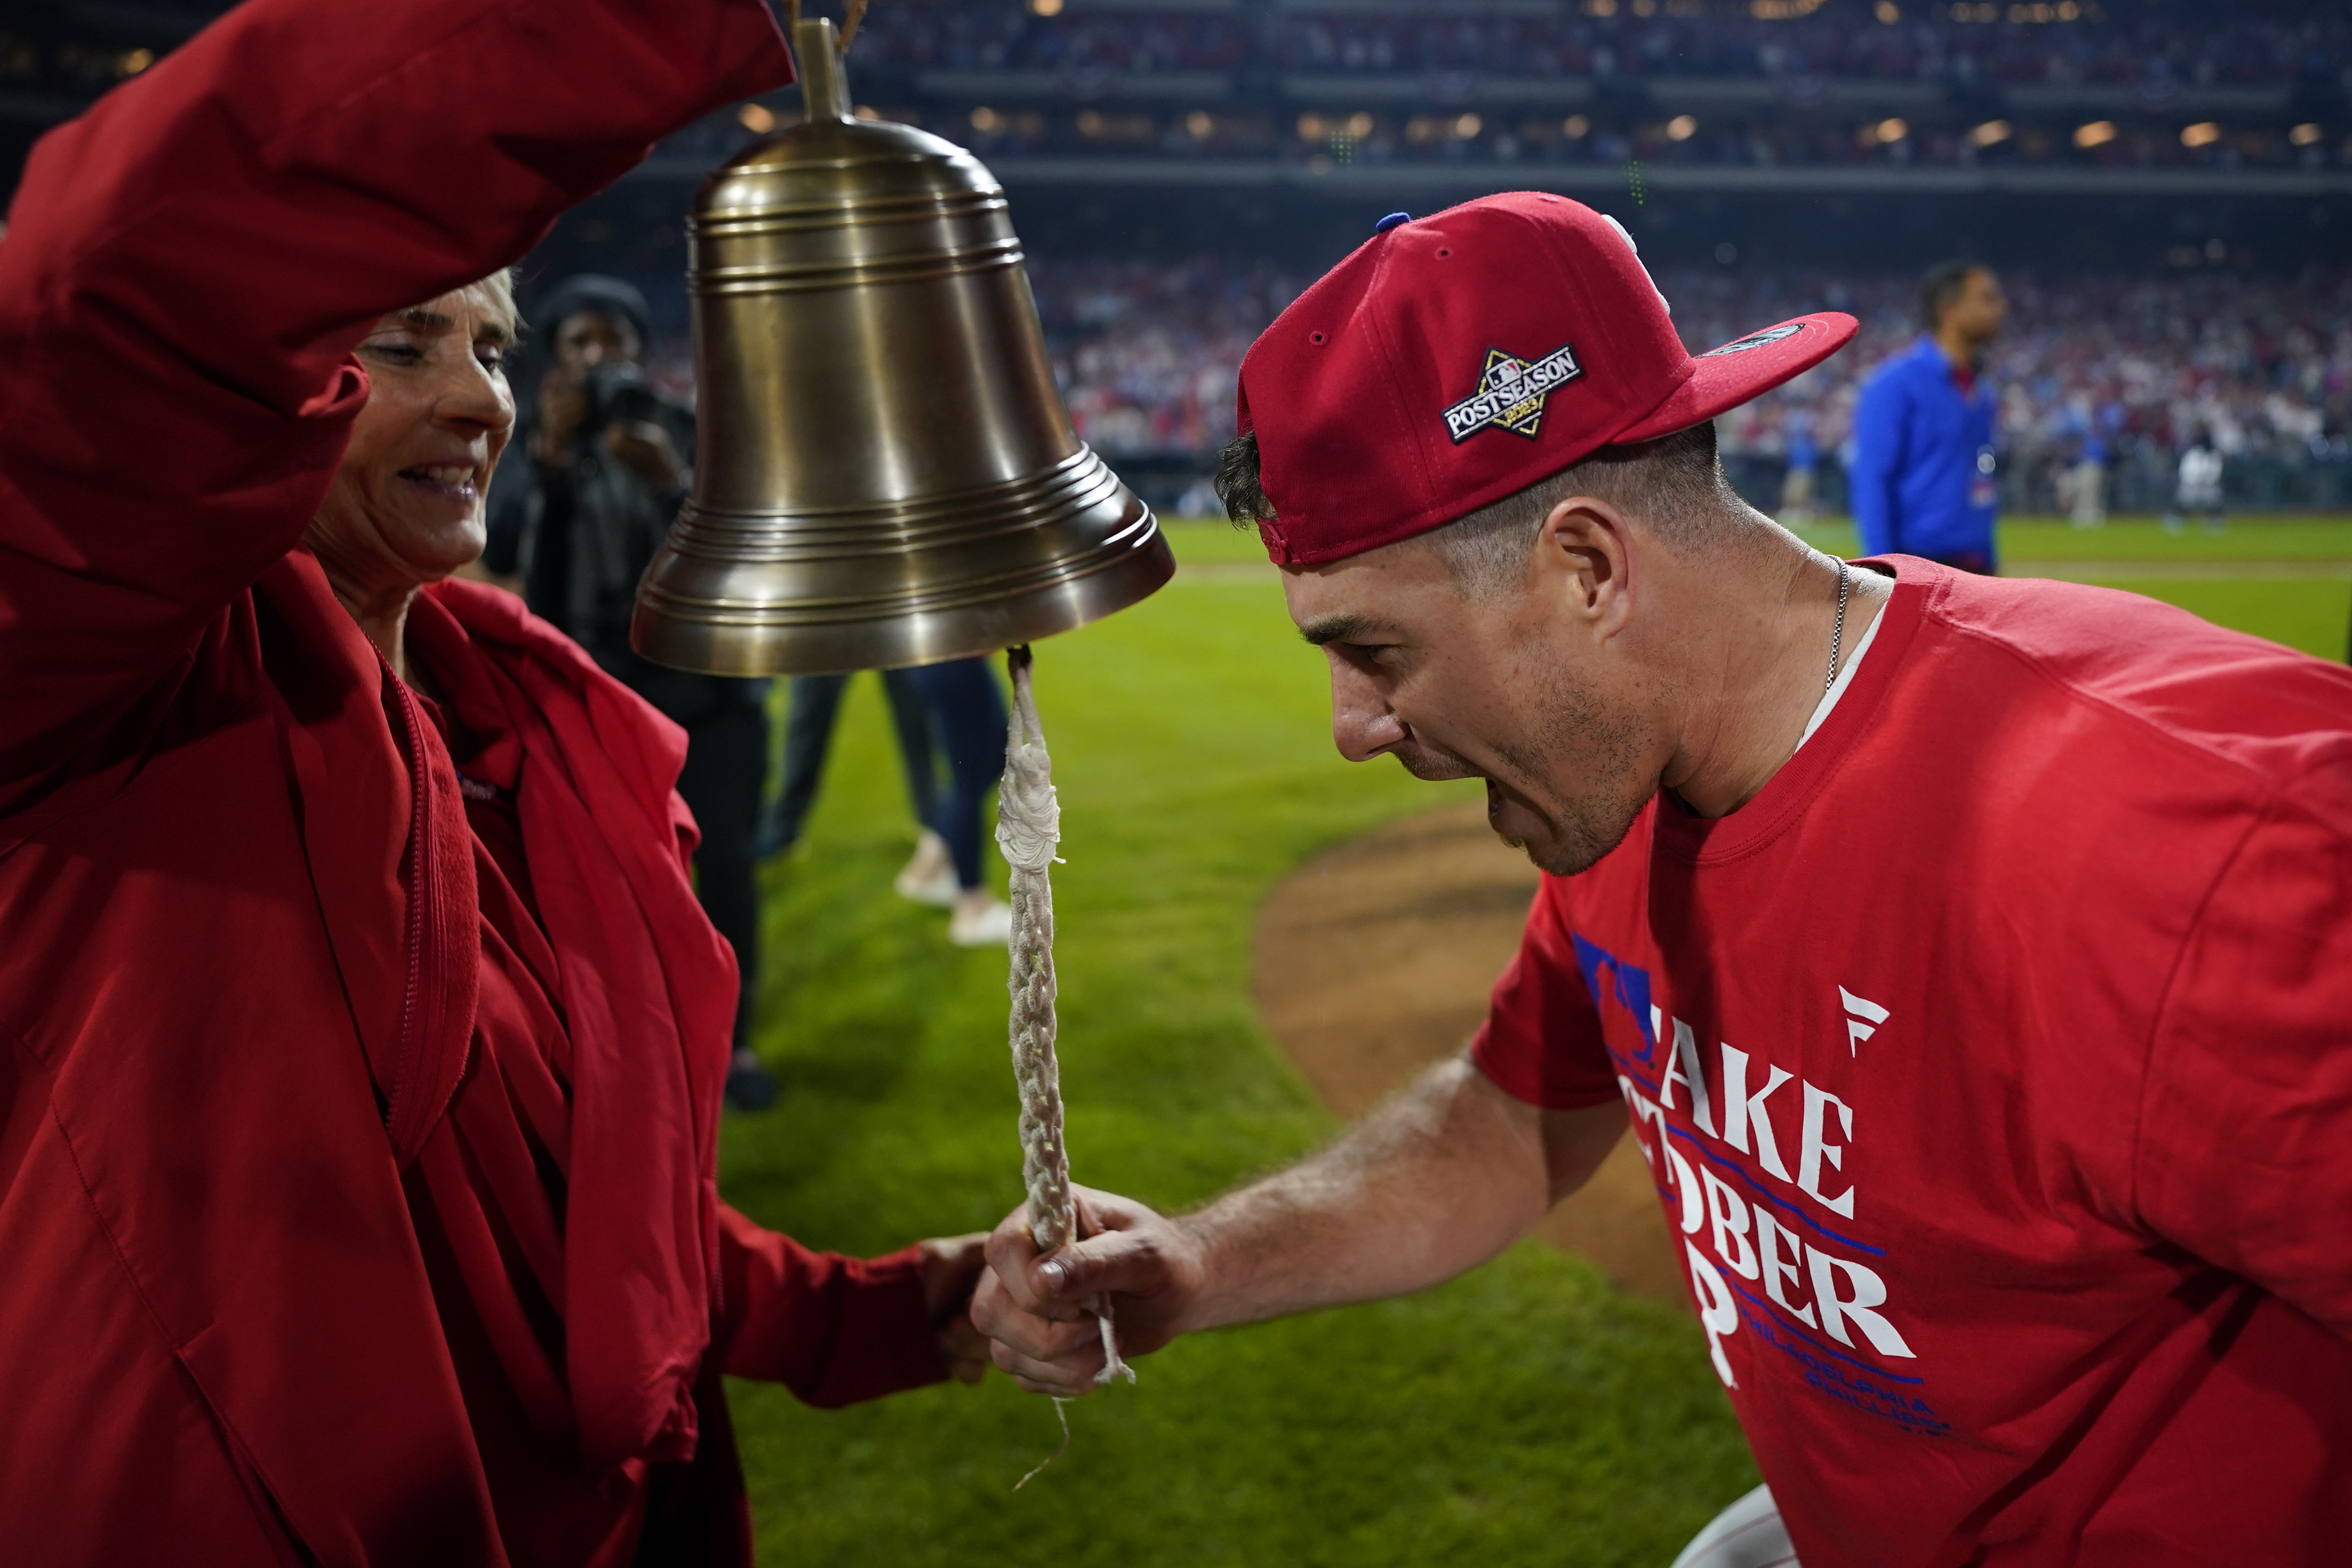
pixel 1374 959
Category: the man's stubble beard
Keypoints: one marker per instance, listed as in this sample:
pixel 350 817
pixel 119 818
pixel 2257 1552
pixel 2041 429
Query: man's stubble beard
pixel 1576 732
pixel 1572 723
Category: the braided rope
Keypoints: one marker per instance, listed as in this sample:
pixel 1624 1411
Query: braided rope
pixel 1028 830
pixel 857 13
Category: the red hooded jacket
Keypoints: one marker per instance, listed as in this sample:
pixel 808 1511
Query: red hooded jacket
pixel 240 942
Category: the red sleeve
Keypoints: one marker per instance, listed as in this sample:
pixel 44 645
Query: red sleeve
pixel 1541 1041
pixel 189 263
pixel 2245 1146
pixel 833 1330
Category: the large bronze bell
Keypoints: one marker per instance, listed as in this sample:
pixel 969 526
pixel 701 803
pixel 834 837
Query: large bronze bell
pixel 885 474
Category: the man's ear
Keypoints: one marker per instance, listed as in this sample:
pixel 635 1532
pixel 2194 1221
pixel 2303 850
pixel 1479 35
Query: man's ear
pixel 1585 559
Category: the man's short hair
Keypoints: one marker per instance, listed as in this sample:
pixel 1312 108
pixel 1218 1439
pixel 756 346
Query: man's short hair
pixel 1673 487
pixel 1945 283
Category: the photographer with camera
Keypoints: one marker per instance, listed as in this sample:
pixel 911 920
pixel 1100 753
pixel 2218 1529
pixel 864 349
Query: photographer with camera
pixel 578 521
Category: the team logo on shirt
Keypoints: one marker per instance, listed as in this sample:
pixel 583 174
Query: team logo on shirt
pixel 1863 1018
pixel 1755 339
pixel 1511 393
pixel 1756 1162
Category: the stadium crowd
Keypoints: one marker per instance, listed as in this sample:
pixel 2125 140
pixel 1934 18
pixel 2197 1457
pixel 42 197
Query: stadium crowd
pixel 2063 42
pixel 1761 138
pixel 2260 370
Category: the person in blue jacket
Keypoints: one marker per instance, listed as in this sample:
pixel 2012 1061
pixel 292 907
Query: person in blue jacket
pixel 1922 473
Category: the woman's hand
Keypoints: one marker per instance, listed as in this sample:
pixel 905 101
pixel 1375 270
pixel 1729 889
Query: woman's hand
pixel 951 1267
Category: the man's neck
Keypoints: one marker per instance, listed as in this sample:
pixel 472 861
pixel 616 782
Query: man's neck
pixel 1745 692
pixel 1961 351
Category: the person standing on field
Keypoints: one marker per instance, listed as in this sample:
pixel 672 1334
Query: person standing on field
pixel 365 1041
pixel 602 470
pixel 1797 482
pixel 2089 509
pixel 1973 957
pixel 2197 487
pixel 1924 469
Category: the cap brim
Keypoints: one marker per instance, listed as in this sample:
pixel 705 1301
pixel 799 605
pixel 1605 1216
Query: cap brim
pixel 1742 368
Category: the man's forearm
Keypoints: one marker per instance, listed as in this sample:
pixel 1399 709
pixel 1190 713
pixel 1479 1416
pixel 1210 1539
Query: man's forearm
pixel 1442 1177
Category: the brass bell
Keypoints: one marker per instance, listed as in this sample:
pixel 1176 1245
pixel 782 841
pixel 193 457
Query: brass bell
pixel 885 474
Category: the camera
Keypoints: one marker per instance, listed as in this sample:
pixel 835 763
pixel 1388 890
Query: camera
pixel 618 392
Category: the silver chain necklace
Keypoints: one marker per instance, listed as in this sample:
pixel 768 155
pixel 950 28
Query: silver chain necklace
pixel 1837 632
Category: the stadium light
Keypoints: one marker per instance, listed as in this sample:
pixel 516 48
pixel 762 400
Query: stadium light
pixel 1359 125
pixel 1090 122
pixel 2305 135
pixel 757 117
pixel 1894 130
pixel 986 118
pixel 2098 133
pixel 2204 133
pixel 137 60
pixel 1468 126
pixel 1046 8
pixel 1199 124
pixel 1888 12
pixel 1680 128
pixel 1311 127
pixel 1575 126
pixel 1991 132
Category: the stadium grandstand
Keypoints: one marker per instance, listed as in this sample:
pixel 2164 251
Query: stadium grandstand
pixel 2167 187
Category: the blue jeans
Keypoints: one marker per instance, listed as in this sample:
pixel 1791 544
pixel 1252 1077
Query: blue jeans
pixel 808 737
pixel 966 709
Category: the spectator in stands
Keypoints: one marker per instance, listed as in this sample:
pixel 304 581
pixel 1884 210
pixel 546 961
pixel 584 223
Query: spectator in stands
pixel 578 520
pixel 1923 467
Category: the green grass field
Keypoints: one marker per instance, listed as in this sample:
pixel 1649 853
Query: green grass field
pixel 1526 1413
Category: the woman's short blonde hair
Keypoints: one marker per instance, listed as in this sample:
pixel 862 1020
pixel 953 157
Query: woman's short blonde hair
pixel 498 288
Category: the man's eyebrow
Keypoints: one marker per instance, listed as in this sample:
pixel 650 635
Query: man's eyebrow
pixel 1338 628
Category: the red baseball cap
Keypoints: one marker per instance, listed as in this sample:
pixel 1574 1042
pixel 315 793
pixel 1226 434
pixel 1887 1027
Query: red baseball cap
pixel 1450 362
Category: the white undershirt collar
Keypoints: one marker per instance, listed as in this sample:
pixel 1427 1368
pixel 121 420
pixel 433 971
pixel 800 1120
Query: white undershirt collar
pixel 1845 678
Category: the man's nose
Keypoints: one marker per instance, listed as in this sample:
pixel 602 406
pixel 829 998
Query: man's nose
pixel 1362 726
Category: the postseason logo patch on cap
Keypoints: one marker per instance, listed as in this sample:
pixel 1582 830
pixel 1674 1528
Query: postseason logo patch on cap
pixel 1511 393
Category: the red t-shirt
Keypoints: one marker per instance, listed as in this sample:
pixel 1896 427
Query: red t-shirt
pixel 1995 1066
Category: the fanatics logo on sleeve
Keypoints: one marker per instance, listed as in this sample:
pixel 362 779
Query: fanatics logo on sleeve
pixel 1511 393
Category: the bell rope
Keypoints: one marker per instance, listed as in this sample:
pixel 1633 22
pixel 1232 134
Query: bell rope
pixel 1028 830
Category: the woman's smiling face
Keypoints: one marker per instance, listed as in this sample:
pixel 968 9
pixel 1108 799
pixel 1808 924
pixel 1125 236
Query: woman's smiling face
pixel 407 505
